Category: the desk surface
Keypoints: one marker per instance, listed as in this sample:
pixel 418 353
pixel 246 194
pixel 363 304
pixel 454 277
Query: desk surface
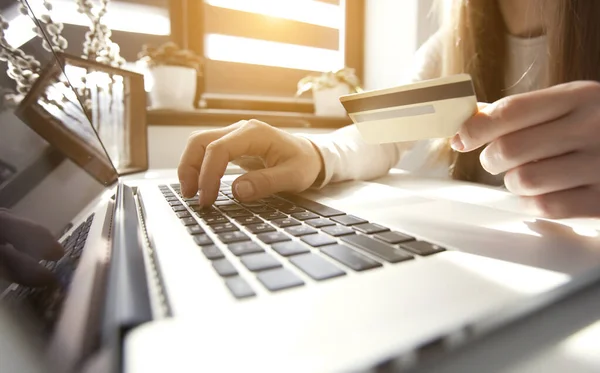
pixel 563 337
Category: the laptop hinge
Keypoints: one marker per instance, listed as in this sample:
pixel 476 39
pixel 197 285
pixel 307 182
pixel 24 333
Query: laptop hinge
pixel 127 300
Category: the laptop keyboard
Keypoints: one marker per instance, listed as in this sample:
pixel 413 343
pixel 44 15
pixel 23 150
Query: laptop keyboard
pixel 320 241
pixel 46 302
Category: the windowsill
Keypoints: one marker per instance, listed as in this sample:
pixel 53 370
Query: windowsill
pixel 224 117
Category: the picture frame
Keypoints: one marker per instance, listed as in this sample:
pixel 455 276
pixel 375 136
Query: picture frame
pixel 95 114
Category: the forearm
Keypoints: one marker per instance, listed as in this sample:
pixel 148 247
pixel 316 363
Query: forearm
pixel 346 156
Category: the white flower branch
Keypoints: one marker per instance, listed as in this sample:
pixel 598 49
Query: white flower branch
pixel 97 45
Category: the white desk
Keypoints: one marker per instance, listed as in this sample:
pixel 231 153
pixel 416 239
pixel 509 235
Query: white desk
pixel 562 338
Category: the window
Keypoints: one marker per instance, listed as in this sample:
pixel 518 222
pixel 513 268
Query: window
pixel 263 47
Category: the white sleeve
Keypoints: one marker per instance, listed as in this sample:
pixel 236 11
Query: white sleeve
pixel 346 156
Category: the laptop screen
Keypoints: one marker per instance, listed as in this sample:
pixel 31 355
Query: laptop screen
pixel 52 163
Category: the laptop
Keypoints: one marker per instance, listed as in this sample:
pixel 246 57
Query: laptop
pixel 356 277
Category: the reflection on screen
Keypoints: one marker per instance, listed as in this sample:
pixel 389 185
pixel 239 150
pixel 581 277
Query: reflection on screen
pixel 59 102
pixel 104 97
pixel 38 181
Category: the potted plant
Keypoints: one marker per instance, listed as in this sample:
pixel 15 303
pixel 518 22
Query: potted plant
pixel 327 89
pixel 174 73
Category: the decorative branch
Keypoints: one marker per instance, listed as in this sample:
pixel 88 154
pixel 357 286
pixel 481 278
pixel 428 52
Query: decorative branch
pixel 98 46
pixel 24 69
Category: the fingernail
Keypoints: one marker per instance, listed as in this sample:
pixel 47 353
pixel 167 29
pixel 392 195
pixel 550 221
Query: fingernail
pixel 456 143
pixel 244 189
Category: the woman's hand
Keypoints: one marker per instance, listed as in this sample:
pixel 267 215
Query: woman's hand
pixel 278 161
pixel 22 244
pixel 548 143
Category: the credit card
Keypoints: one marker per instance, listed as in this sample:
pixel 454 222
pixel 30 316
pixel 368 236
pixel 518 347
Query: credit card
pixel 427 109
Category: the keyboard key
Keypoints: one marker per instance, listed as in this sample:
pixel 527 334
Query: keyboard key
pixel 338 230
pixel 422 248
pixel 261 209
pixel 224 268
pixel 273 237
pixel 252 204
pixel 348 220
pixel 183 214
pixel 188 221
pixel 202 240
pixel 193 203
pixel 195 229
pixel 243 248
pixel 238 213
pixel 287 222
pixel 290 248
pixel 305 215
pixel 231 237
pixel 393 237
pixel 318 239
pixel 247 220
pixel 300 230
pixel 350 257
pixel 259 262
pixel 377 248
pixel 233 207
pixel 273 215
pixel 260 228
pixel 268 199
pixel 316 267
pixel 215 219
pixel 205 211
pixel 224 227
pixel 175 204
pixel 279 204
pixel 318 223
pixel 313 206
pixel 212 252
pixel 279 279
pixel 291 209
pixel 239 287
pixel 370 228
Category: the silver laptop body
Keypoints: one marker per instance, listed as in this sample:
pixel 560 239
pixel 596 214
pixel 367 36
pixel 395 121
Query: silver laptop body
pixel 157 287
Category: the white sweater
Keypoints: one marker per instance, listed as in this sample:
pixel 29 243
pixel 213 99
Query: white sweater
pixel 347 157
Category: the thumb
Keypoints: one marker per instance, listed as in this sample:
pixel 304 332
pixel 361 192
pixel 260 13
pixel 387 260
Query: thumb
pixel 262 183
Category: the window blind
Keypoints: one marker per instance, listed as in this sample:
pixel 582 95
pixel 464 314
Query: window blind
pixel 263 47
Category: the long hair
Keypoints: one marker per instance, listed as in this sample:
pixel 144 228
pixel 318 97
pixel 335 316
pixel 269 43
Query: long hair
pixel 476 44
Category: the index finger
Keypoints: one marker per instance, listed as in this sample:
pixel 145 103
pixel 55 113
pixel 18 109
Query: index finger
pixel 28 237
pixel 192 157
pixel 514 113
pixel 253 140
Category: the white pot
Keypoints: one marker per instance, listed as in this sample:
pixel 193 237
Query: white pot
pixel 173 87
pixel 327 101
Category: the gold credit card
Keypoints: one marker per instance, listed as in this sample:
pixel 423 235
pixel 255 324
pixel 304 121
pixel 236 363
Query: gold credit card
pixel 428 109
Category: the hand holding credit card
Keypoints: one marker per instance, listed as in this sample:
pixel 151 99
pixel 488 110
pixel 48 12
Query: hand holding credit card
pixel 424 110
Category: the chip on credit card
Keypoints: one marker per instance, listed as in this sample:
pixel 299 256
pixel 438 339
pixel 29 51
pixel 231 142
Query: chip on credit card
pixel 427 109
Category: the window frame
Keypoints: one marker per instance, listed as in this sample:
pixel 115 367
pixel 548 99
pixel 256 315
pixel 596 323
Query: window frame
pixel 186 23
